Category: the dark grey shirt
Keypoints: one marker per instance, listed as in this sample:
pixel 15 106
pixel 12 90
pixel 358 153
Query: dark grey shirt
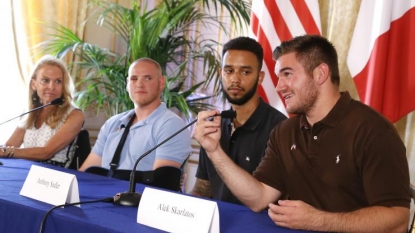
pixel 246 147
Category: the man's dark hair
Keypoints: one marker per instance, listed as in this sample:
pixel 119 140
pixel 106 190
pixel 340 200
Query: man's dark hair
pixel 245 44
pixel 311 51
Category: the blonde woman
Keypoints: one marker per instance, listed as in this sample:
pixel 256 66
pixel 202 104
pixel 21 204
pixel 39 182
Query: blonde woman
pixel 44 135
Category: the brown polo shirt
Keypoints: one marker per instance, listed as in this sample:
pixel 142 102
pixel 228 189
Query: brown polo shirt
pixel 353 158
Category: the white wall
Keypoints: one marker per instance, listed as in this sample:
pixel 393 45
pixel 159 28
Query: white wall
pixel 13 94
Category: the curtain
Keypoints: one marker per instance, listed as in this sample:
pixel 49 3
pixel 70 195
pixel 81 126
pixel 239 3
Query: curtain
pixel 22 30
pixel 39 15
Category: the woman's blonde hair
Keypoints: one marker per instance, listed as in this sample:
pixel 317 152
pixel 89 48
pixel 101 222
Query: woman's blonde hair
pixel 55 117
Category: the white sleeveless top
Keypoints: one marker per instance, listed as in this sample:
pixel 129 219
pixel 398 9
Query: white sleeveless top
pixel 39 137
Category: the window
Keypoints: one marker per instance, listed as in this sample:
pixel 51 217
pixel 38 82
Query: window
pixel 13 92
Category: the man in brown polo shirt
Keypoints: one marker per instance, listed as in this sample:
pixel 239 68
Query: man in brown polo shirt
pixel 342 165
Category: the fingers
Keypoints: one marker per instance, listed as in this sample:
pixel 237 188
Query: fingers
pixel 205 115
pixel 284 207
pixel 276 214
pixel 207 132
pixel 204 125
pixel 292 214
pixel 289 203
pixel 278 209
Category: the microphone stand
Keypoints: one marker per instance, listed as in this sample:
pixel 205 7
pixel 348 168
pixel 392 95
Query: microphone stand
pixel 131 198
pixel 54 102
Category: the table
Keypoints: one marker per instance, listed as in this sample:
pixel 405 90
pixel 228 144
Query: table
pixel 21 214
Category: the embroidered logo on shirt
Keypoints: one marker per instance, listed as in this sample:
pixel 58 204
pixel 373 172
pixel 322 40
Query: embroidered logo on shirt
pixel 338 158
pixel 247 159
pixel 293 147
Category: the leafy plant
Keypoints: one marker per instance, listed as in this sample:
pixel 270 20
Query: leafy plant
pixel 163 34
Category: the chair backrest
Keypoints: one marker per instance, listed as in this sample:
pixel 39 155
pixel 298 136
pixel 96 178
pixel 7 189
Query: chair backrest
pixel 162 177
pixel 412 227
pixel 82 149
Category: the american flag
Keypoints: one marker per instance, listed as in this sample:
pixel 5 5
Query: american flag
pixel 273 21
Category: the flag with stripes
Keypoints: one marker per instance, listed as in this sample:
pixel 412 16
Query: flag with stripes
pixel 381 58
pixel 274 21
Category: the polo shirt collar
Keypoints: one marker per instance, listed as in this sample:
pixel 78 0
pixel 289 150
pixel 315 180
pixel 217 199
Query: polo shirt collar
pixel 126 117
pixel 156 113
pixel 255 119
pixel 335 114
pixel 150 119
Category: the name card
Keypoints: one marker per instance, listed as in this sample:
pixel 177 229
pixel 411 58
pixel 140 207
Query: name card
pixel 173 212
pixel 50 186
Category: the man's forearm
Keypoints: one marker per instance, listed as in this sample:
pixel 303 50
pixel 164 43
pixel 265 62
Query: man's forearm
pixel 370 219
pixel 242 184
pixel 201 188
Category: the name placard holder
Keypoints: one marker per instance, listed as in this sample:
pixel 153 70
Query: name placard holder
pixel 174 212
pixel 50 186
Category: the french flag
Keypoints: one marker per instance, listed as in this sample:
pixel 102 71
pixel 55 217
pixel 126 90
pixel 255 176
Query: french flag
pixel 381 58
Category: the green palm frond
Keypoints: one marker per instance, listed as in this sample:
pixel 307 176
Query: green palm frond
pixel 161 33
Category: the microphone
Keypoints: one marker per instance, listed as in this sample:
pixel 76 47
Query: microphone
pixel 131 198
pixel 121 127
pixel 54 102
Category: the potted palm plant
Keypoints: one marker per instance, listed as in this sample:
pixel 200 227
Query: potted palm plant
pixel 161 34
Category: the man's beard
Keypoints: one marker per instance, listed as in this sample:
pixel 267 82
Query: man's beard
pixel 306 99
pixel 243 99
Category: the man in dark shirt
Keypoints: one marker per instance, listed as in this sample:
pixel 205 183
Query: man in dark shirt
pixel 341 163
pixel 244 137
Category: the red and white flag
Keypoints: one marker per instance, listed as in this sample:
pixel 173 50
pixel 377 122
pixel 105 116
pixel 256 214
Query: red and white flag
pixel 273 21
pixel 382 56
